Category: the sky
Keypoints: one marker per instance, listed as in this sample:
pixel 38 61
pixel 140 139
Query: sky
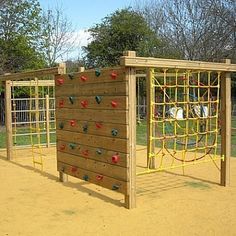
pixel 85 14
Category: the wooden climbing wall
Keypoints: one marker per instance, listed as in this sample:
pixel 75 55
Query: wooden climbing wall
pixel 95 116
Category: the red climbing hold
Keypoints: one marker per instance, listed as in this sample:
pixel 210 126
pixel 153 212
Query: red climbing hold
pixel 114 104
pixel 115 158
pixel 83 78
pixel 61 103
pixel 72 123
pixel 98 125
pixel 84 104
pixel 62 147
pixel 85 152
pixel 60 81
pixel 99 177
pixel 73 169
pixel 113 75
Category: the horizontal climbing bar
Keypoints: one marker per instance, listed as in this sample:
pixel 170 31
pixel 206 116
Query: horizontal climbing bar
pixel 150 62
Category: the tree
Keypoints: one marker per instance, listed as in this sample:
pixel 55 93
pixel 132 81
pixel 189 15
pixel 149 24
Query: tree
pixel 58 36
pixel 19 30
pixel 197 29
pixel 123 30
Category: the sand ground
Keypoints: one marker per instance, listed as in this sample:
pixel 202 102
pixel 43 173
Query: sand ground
pixel 35 203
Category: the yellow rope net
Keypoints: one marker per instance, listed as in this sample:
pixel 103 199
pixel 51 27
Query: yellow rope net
pixel 183 118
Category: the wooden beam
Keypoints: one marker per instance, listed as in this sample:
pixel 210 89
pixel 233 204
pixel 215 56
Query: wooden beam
pixel 130 198
pixel 150 62
pixel 225 128
pixel 8 120
pixel 28 83
pixel 150 126
pixel 47 119
pixel 34 73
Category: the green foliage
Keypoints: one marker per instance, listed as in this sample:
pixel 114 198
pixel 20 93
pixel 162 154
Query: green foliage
pixel 19 34
pixel 123 30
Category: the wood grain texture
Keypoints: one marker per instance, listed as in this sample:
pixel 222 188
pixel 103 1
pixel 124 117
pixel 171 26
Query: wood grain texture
pixel 106 169
pixel 115 144
pixel 93 177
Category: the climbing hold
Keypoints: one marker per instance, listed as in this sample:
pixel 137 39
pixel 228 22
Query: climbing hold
pixel 84 103
pixel 72 99
pixel 99 177
pixel 113 75
pixel 60 81
pixel 71 76
pixel 85 177
pixel 115 158
pixel 115 187
pixel 72 123
pixel 85 152
pixel 114 132
pixel 73 169
pixel 114 104
pixel 83 78
pixel 62 147
pixel 98 99
pixel 72 145
pixel 98 125
pixel 85 128
pixel 97 72
pixel 99 151
pixel 61 125
pixel 61 103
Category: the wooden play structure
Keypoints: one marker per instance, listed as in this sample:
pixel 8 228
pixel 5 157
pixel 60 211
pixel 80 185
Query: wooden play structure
pixel 188 107
pixel 30 118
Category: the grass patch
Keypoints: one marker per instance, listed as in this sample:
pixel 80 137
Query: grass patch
pixel 199 185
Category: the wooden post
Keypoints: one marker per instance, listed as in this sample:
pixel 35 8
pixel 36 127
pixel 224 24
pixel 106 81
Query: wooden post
pixel 47 120
pixel 8 120
pixel 225 127
pixel 130 198
pixel 62 176
pixel 150 127
pixel 81 69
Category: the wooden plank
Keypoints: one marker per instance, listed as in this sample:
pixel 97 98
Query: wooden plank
pixel 130 197
pixel 150 62
pixel 115 144
pixel 8 120
pixel 150 127
pixel 111 116
pixel 114 89
pixel 105 169
pixel 225 128
pixel 95 178
pixel 89 77
pixel 102 102
pixel 33 73
pixel 94 127
pixel 29 83
pixel 99 154
pixel 47 120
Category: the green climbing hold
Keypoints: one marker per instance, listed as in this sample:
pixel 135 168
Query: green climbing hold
pixel 71 76
pixel 97 72
pixel 115 187
pixel 85 177
pixel 98 99
pixel 99 151
pixel 72 99
pixel 85 128
pixel 114 132
pixel 61 125
pixel 72 145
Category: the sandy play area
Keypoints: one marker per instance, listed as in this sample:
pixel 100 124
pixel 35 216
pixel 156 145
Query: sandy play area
pixel 35 203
